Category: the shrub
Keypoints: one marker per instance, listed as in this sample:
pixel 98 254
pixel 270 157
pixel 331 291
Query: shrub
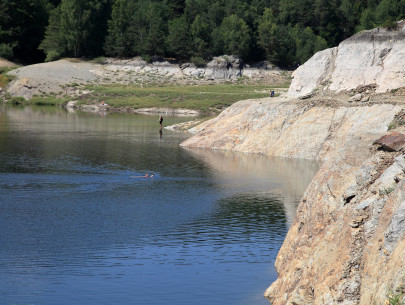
pixel 395 123
pixel 6 50
pixel 99 60
pixel 52 55
pixel 146 58
pixel 390 25
pixel 18 100
pixel 198 61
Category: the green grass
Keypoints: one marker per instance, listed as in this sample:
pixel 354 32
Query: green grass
pixel 395 299
pixel 4 77
pixel 48 101
pixel 203 98
pixel 395 123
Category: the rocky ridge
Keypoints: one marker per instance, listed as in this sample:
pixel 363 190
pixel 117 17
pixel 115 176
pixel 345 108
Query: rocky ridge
pixel 347 242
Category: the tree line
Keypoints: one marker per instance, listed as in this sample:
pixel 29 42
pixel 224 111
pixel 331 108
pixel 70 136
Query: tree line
pixel 285 32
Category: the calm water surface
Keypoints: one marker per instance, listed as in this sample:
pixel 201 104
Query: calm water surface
pixel 78 227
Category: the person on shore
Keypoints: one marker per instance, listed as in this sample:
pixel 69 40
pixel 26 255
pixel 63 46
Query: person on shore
pixel 161 122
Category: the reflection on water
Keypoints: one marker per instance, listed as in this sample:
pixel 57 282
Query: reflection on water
pixel 286 178
pixel 76 226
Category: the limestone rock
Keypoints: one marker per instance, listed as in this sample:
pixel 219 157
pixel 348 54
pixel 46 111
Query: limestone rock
pixel 273 127
pixel 367 58
pixel 313 73
pixel 355 98
pixel 306 96
pixel 71 104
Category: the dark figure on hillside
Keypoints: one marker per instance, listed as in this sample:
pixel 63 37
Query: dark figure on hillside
pixel 272 94
pixel 160 122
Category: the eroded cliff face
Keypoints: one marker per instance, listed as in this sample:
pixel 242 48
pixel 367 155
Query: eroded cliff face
pixel 375 57
pixel 346 244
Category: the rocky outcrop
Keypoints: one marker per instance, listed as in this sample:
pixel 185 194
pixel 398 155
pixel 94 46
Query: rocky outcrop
pixel 374 57
pixel 346 244
pixel 278 127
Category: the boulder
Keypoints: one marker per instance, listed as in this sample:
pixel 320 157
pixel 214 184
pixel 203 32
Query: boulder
pixel 394 141
pixel 355 98
pixel 71 104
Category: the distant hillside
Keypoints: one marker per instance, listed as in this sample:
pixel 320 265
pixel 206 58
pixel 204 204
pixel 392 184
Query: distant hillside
pixel 285 32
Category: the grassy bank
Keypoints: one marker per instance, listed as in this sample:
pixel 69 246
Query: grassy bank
pixel 202 98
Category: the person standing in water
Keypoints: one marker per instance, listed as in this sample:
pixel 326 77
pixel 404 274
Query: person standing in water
pixel 160 122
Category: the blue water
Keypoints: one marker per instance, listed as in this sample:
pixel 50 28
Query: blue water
pixel 77 226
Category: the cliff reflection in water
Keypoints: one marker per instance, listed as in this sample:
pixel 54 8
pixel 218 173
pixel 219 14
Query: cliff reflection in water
pixel 286 178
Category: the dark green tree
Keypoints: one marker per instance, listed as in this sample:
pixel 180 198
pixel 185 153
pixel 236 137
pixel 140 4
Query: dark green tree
pixel 179 38
pixel 367 20
pixel 176 8
pixel 288 12
pixel 78 26
pixel 22 27
pixel 233 37
pixel 276 40
pixel 118 41
pixel 327 21
pixel 201 37
pixel 387 11
pixel 349 16
pixel 157 29
pixel 53 45
pixel 267 30
pixel 306 43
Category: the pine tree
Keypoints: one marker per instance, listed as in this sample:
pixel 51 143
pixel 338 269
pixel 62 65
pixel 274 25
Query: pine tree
pixel 233 37
pixel 118 41
pixel 267 30
pixel 53 44
pixel 76 28
pixel 201 37
pixel 179 38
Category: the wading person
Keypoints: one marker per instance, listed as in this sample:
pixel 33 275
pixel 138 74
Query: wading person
pixel 160 122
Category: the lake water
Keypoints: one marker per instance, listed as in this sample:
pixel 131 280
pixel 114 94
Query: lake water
pixel 78 227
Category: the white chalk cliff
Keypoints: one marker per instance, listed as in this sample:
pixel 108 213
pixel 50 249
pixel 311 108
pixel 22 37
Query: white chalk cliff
pixel 375 57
